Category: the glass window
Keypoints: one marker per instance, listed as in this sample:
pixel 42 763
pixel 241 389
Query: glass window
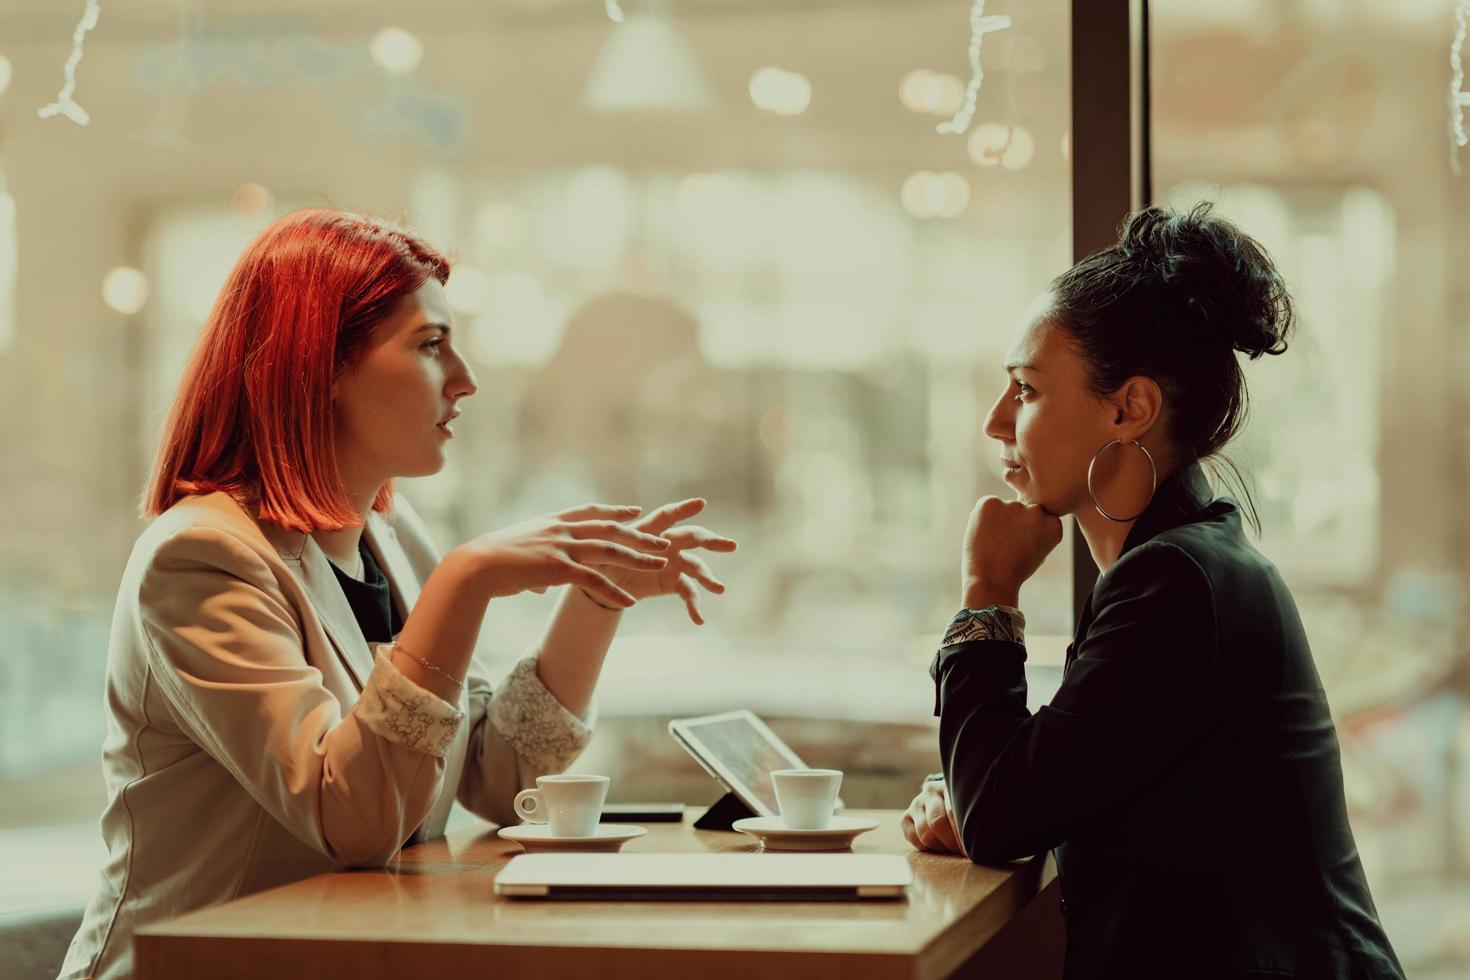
pixel 1322 129
pixel 719 249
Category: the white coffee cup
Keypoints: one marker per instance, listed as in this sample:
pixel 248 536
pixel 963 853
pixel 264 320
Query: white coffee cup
pixel 806 797
pixel 572 805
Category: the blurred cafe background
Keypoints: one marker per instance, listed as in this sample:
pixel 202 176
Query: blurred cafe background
pixel 720 248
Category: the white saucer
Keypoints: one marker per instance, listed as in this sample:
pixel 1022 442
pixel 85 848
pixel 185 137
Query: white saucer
pixel 776 836
pixel 608 837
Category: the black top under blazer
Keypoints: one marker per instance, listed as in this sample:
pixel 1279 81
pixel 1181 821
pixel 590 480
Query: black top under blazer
pixel 1186 773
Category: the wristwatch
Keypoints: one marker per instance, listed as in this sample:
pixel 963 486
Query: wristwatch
pixel 991 623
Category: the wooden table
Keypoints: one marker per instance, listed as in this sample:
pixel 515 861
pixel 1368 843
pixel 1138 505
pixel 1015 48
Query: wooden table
pixel 433 913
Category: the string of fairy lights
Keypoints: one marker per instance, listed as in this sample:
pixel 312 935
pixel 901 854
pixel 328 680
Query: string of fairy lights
pixel 980 25
pixel 1459 97
pixel 65 105
pixel 788 93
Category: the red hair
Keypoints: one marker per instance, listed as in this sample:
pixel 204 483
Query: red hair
pixel 253 415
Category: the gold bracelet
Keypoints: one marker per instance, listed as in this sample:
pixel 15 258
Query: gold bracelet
pixel 434 667
pixel 595 602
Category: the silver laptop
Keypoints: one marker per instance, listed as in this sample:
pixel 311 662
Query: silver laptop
pixel 705 877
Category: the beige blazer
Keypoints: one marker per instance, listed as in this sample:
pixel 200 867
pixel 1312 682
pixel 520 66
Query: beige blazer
pixel 253 738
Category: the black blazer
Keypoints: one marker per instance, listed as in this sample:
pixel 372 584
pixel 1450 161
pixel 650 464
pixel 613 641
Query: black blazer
pixel 1186 773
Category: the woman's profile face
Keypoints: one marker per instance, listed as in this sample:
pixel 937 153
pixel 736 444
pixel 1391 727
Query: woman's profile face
pixel 1048 423
pixel 394 406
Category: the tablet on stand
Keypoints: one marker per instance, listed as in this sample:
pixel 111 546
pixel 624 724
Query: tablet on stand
pixel 739 751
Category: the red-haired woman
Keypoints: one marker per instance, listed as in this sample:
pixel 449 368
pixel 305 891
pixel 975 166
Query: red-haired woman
pixel 290 686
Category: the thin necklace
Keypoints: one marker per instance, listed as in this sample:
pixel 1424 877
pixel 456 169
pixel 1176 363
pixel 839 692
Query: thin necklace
pixel 361 572
pixel 358 572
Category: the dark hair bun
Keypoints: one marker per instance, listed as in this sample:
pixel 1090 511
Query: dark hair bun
pixel 1216 272
pixel 1174 299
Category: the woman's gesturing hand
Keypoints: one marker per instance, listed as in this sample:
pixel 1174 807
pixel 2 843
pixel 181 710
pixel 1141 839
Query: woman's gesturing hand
pixel 928 823
pixel 685 571
pixel 1005 544
pixel 577 547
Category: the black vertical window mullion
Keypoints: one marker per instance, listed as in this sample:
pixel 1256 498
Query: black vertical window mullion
pixel 1111 161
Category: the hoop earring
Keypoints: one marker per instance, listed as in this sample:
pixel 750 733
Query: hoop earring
pixel 1152 490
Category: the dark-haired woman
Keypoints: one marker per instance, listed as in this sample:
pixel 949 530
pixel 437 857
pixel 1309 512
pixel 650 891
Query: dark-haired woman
pixel 1187 772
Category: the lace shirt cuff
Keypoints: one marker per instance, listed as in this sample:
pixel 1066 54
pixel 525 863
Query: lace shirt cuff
pixel 991 623
pixel 395 708
pixel 543 732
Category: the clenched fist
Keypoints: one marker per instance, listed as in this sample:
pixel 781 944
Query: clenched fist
pixel 1005 544
pixel 928 823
